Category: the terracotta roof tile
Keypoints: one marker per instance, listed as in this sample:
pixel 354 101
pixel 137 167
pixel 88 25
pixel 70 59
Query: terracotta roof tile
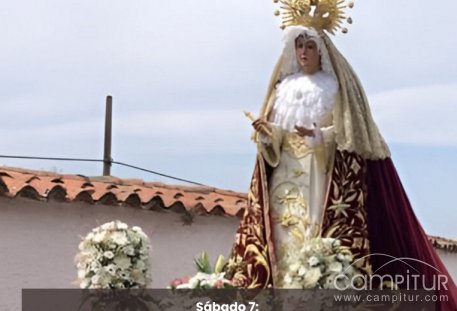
pixel 41 185
pixel 443 243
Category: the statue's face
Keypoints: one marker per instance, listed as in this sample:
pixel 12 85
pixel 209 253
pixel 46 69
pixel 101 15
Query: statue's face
pixel 307 54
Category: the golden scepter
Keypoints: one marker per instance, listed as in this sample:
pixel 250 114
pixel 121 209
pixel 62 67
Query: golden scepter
pixel 265 129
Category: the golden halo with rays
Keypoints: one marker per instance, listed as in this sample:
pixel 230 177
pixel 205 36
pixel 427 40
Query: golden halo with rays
pixel 325 15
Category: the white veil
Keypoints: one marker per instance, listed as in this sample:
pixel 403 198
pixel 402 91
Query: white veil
pixel 289 61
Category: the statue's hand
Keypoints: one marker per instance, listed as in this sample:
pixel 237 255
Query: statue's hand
pixel 262 126
pixel 303 131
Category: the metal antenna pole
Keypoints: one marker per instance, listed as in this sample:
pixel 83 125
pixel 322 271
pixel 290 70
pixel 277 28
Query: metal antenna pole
pixel 107 160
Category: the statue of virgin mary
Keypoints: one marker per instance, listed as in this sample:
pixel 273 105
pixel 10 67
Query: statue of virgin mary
pixel 323 169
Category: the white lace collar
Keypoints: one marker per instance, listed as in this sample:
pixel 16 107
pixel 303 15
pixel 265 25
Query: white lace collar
pixel 302 100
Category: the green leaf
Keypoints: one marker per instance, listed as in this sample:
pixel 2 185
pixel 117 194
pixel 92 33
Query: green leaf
pixel 202 263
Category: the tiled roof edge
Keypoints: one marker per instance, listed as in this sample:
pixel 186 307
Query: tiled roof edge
pixel 43 185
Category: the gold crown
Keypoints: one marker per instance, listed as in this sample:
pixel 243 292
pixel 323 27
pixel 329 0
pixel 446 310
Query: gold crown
pixel 320 14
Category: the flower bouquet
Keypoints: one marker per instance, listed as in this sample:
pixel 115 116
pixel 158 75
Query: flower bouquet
pixel 206 278
pixel 114 256
pixel 322 264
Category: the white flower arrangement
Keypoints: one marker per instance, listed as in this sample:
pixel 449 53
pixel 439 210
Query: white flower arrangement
pixel 114 256
pixel 206 281
pixel 206 277
pixel 321 263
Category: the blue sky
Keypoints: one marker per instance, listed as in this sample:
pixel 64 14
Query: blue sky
pixel 181 75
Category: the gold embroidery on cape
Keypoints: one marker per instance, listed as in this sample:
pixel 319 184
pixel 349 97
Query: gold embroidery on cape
pixel 248 265
pixel 345 217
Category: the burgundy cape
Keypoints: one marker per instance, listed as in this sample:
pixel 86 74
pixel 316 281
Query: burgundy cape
pixel 366 208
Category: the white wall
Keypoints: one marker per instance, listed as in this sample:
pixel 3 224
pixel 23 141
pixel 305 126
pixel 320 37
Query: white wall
pixel 450 261
pixel 38 242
